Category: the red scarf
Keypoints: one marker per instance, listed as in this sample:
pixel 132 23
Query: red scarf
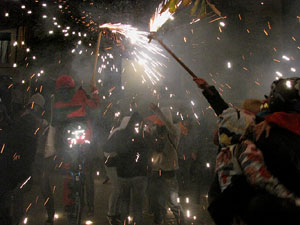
pixel 289 121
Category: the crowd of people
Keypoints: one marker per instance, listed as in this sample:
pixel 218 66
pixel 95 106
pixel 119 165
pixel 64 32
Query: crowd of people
pixel 257 163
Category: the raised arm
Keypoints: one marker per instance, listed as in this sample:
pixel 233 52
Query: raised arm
pixel 172 129
pixel 212 96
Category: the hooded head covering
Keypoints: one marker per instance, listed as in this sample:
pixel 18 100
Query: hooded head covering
pixel 37 99
pixel 65 81
pixel 285 95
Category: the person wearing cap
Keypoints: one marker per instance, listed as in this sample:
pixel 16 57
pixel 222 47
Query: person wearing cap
pixel 19 153
pixel 164 164
pixel 71 105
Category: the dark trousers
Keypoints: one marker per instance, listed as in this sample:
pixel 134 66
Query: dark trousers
pixel 89 183
pixel 44 167
pixel 163 192
pixel 132 194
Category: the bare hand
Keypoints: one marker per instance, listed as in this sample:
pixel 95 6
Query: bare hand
pixel 153 106
pixel 260 128
pixel 201 83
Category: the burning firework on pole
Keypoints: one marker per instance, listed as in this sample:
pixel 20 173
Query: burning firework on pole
pixel 152 36
pixel 159 19
pixel 143 53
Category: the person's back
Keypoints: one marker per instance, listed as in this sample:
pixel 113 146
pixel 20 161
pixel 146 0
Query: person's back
pixel 18 153
pixel 71 112
pixel 282 156
pixel 133 155
pixel 281 147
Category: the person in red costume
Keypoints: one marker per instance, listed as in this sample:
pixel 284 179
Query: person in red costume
pixel 73 105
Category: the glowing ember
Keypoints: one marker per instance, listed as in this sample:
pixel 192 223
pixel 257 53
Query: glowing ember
pixel 145 54
pixel 159 18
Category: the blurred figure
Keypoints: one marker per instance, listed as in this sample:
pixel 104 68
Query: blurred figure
pixel 6 86
pixel 4 175
pixel 163 184
pixel 131 161
pixel 71 106
pixel 277 137
pixel 44 163
pixel 241 169
pixel 17 158
pixel 114 213
pixel 186 156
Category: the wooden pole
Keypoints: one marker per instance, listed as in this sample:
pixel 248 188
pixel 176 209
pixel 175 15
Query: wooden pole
pixel 175 57
pixel 93 83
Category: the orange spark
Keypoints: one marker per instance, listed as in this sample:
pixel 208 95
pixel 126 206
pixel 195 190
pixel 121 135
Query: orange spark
pixel 228 85
pixel 3 146
pixel 36 131
pixel 45 203
pixel 276 60
pixel 28 207
pixel 36 199
pixel 219 18
pixel 266 33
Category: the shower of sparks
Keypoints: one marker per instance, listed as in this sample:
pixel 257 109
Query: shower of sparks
pixel 159 18
pixel 146 54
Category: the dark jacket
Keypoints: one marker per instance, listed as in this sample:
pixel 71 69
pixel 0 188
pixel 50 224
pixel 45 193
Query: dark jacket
pixel 131 149
pixel 69 105
pixel 215 100
pixel 281 150
pixel 19 152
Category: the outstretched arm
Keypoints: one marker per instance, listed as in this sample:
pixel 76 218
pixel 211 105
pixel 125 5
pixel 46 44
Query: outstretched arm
pixel 212 96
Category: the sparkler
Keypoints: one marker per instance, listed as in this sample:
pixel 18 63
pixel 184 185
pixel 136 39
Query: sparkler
pixel 142 52
pixel 159 18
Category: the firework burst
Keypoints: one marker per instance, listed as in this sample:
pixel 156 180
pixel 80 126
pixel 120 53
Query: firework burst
pixel 147 55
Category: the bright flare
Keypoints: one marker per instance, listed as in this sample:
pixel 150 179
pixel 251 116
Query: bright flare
pixel 159 18
pixel 145 54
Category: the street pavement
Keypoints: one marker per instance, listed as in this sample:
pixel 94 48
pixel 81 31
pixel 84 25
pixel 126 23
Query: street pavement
pixel 36 214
